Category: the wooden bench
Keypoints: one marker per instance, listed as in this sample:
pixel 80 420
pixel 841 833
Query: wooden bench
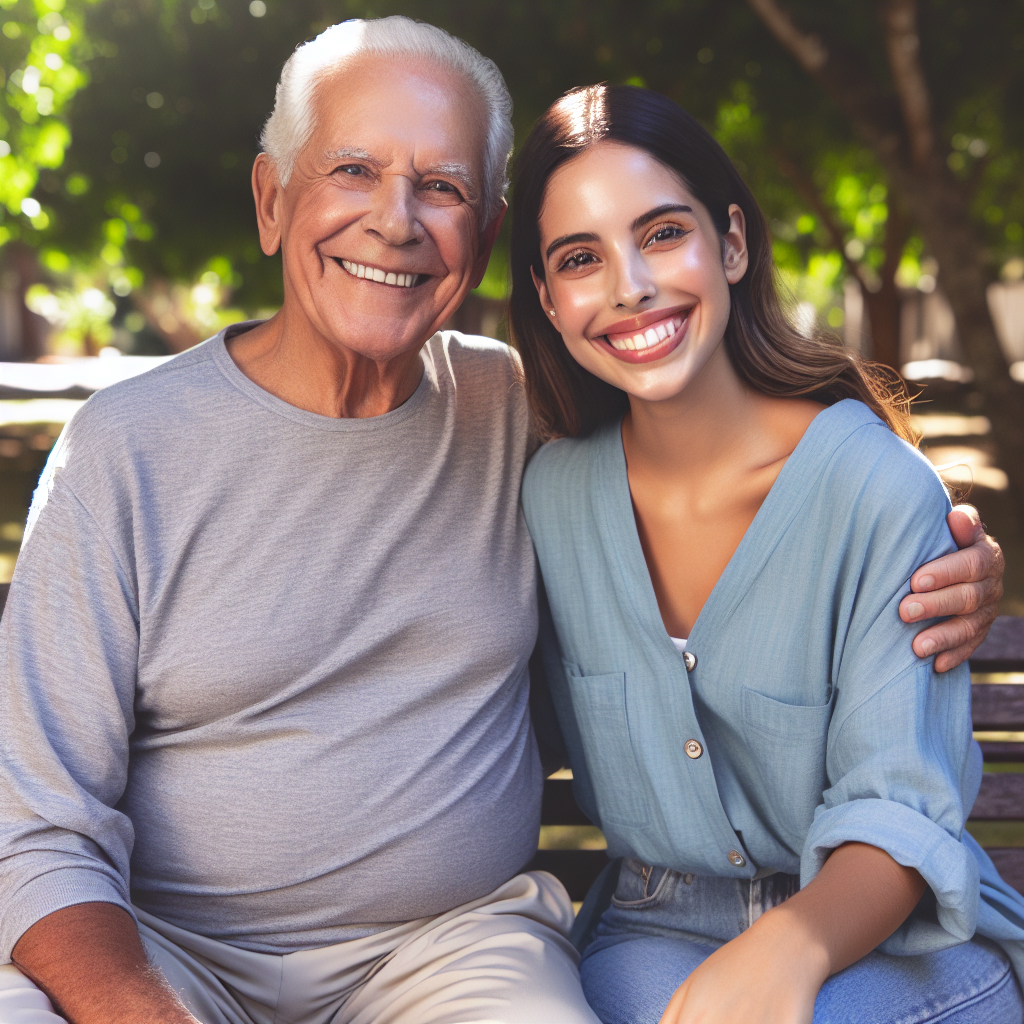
pixel 997 707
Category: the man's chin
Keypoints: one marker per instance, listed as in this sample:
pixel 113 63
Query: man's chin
pixel 381 334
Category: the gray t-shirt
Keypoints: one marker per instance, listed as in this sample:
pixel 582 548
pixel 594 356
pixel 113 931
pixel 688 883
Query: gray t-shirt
pixel 263 672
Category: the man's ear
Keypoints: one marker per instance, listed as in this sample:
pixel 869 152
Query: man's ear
pixel 267 191
pixel 487 239
pixel 545 299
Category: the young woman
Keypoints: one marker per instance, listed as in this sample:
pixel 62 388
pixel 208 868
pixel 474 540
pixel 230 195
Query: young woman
pixel 725 530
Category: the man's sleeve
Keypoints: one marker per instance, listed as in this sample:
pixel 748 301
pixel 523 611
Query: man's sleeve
pixel 68 657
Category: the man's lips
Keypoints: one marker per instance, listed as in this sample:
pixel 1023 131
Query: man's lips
pixel 654 336
pixel 378 275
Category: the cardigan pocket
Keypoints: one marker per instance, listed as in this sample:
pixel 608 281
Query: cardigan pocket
pixel 599 704
pixel 788 743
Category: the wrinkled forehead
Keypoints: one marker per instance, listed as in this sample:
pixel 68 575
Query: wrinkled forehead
pixel 391 108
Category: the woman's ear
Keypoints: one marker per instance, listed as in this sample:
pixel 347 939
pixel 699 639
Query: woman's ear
pixel 545 298
pixel 267 191
pixel 735 258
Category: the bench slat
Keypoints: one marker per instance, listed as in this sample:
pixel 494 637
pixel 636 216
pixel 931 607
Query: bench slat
pixel 1003 751
pixel 575 869
pixel 1003 649
pixel 559 807
pixel 998 706
pixel 1009 862
pixel 1001 797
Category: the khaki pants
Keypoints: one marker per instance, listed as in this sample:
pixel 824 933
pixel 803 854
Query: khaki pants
pixel 502 959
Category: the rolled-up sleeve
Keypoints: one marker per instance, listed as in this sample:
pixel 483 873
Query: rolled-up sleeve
pixel 902 767
pixel 68 660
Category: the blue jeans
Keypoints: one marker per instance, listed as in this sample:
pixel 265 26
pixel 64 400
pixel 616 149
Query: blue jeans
pixel 662 924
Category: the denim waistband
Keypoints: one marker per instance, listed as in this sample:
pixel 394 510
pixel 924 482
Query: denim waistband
pixel 656 900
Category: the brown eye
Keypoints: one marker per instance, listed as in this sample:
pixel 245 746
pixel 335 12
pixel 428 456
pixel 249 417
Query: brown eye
pixel 667 233
pixel 578 259
pixel 444 188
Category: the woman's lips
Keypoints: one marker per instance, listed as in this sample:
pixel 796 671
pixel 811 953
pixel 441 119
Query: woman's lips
pixel 654 342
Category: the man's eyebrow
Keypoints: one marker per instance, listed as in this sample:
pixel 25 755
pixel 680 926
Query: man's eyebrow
pixel 659 211
pixel 350 154
pixel 582 236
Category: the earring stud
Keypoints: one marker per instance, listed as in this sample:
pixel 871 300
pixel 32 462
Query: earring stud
pixel 551 311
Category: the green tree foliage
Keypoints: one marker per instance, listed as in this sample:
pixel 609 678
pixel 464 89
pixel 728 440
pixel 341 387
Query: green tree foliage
pixel 165 133
pixel 154 185
pixel 43 52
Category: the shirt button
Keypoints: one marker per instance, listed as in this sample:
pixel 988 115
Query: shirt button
pixel 693 749
pixel 736 858
pixel 689 660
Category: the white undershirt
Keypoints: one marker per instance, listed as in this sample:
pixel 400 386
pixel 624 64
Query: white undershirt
pixel 680 645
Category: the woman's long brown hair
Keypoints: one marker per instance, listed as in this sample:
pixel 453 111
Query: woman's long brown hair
pixel 765 349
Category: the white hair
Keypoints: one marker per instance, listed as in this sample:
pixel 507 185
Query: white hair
pixel 291 124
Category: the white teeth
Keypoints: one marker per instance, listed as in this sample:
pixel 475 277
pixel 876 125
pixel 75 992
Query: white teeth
pixel 373 274
pixel 652 336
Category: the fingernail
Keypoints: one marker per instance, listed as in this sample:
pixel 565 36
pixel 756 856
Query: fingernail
pixel 926 581
pixel 928 646
pixel 915 610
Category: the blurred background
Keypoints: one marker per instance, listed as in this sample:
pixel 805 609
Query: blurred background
pixel 884 140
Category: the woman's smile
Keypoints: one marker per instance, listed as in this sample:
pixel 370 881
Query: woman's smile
pixel 646 338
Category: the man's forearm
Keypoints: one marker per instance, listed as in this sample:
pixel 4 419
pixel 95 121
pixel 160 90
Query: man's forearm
pixel 90 961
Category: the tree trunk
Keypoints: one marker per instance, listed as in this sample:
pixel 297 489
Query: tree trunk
pixel 929 193
pixel 883 305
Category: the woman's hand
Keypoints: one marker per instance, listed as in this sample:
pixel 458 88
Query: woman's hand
pixel 770 974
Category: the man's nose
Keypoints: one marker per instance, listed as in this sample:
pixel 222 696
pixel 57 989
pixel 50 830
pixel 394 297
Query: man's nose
pixel 632 283
pixel 392 216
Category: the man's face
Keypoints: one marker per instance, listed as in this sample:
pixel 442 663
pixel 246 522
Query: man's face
pixel 390 186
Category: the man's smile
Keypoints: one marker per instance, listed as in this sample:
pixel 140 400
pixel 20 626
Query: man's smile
pixel 378 275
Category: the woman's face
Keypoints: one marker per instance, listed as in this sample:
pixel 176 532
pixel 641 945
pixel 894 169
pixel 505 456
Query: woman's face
pixel 635 272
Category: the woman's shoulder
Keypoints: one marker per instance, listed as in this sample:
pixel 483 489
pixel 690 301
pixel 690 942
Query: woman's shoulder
pixel 861 456
pixel 561 478
pixel 873 491
pixel 561 469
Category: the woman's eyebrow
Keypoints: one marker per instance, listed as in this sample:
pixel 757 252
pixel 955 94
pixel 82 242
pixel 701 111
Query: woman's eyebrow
pixel 583 236
pixel 659 211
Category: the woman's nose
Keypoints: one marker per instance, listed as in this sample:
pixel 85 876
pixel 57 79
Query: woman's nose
pixel 633 283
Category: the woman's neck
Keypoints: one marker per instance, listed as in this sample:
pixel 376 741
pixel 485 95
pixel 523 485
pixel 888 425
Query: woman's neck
pixel 715 420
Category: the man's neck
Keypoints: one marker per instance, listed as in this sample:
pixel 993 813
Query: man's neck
pixel 297 365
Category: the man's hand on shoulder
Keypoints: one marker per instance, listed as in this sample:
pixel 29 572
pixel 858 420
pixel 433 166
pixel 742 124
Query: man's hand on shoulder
pixel 967 585
pixel 90 961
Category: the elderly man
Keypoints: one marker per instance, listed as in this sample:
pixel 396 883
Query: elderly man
pixel 267 750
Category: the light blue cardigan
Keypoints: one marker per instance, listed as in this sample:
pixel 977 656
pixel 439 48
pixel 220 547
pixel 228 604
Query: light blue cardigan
pixel 817 723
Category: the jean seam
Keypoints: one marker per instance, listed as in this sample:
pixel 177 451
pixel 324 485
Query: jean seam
pixel 647 900
pixel 1006 979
